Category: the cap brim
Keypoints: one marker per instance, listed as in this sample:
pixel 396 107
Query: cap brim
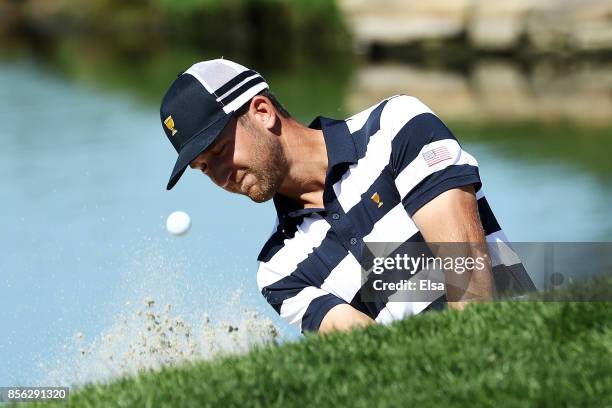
pixel 195 146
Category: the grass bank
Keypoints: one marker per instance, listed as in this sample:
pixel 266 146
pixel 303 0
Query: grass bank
pixel 502 354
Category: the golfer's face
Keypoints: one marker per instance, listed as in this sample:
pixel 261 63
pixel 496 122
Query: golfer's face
pixel 245 159
pixel 217 161
pixel 229 160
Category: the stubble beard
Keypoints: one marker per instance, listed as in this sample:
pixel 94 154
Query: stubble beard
pixel 269 169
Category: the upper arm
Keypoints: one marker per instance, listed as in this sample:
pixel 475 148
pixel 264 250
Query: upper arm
pixel 452 216
pixel 427 161
pixel 296 301
pixel 284 277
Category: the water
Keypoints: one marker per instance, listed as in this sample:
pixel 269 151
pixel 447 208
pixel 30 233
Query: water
pixel 83 210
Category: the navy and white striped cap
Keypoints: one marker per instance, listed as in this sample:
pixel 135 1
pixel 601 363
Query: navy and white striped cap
pixel 200 103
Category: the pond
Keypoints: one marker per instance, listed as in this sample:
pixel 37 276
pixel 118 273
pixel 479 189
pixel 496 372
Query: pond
pixel 84 204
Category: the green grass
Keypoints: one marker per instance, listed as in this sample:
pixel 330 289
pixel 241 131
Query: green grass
pixel 270 30
pixel 510 354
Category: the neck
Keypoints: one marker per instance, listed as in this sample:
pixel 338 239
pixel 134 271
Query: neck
pixel 307 159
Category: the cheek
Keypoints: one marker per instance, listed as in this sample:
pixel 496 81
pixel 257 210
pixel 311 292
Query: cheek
pixel 240 151
pixel 249 153
pixel 237 157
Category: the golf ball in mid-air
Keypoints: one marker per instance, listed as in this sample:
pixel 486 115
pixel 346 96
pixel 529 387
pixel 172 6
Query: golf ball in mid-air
pixel 178 223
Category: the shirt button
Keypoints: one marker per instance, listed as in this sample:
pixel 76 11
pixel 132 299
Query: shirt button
pixel 336 216
pixel 353 241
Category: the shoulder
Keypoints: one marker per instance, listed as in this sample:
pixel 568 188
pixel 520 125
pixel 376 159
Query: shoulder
pixel 404 103
pixel 401 109
pixel 391 113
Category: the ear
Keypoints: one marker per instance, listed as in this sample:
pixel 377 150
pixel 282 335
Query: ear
pixel 263 112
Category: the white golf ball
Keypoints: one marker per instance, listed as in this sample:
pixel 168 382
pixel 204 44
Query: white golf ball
pixel 178 223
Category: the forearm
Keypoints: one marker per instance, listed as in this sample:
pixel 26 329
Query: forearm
pixel 452 220
pixel 474 284
pixel 344 317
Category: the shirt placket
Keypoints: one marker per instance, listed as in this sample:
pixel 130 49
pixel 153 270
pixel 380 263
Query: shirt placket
pixel 341 224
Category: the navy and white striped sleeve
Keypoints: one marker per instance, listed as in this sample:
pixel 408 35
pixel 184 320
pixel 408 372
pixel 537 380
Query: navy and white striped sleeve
pixel 426 158
pixel 297 301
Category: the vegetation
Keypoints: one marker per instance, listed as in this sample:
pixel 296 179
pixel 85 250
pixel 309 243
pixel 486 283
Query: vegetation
pixel 266 29
pixel 512 354
pixel 584 146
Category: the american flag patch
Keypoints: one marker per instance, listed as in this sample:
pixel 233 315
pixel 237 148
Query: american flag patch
pixel 437 155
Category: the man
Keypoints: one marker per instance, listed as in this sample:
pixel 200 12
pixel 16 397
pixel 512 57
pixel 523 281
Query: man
pixel 392 173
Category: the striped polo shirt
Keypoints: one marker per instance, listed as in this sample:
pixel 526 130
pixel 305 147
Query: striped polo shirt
pixel 400 151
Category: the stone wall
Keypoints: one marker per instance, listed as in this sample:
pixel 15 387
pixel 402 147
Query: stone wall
pixel 545 25
pixel 494 91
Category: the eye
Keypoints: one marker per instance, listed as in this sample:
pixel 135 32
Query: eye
pixel 220 150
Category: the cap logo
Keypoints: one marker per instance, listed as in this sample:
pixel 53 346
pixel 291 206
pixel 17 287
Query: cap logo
pixel 169 122
pixel 376 198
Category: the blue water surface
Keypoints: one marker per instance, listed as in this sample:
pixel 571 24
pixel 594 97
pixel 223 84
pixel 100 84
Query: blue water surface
pixel 83 207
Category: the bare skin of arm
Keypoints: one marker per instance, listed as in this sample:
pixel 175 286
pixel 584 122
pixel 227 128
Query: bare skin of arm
pixel 343 318
pixel 453 217
pixel 459 222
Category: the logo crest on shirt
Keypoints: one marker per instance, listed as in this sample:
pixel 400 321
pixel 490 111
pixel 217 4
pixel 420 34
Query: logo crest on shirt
pixel 376 198
pixel 169 122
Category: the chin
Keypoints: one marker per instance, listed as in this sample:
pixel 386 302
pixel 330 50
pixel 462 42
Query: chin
pixel 259 196
pixel 259 199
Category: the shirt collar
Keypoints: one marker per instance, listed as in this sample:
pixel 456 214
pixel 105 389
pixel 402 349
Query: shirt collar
pixel 341 149
pixel 338 141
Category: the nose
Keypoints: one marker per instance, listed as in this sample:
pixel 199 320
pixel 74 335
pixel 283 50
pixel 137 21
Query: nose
pixel 194 164
pixel 199 164
pixel 218 172
pixel 220 175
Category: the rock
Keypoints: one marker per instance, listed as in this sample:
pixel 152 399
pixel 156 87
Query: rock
pixel 546 25
pixel 493 91
pixel 396 22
